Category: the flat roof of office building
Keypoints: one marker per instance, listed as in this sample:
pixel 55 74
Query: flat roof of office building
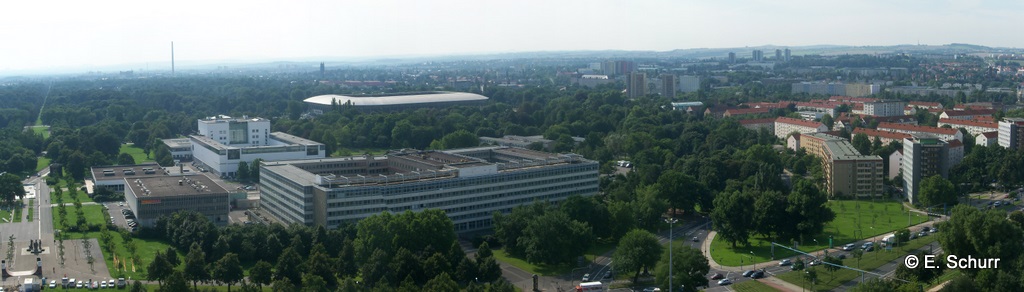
pixel 116 172
pixel 178 142
pixel 165 186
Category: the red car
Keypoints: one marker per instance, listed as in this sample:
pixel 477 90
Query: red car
pixel 717 276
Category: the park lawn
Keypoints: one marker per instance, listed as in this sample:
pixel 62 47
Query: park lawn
pixel 870 261
pixel 137 153
pixel 855 220
pixel 146 250
pixel 41 130
pixel 93 215
pixel 66 195
pixel 42 162
pixel 753 286
pixel 31 204
pixel 5 214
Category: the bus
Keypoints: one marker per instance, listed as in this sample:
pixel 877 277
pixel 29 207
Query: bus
pixel 591 286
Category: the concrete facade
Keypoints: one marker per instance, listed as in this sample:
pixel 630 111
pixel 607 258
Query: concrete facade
pixel 468 184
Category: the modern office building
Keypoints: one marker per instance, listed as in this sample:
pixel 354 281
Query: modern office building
pixel 637 85
pixel 393 101
pixel 785 126
pixel 836 88
pixel 924 156
pixel 112 177
pixel 847 172
pixel 181 148
pixel 523 141
pixel 668 85
pixel 224 141
pixel 154 197
pixel 468 184
pixel 884 108
pixel 1011 133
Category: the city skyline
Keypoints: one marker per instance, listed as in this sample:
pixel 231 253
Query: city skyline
pixel 79 36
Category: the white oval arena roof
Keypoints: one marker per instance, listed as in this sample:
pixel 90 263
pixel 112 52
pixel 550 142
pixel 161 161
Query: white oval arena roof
pixel 396 99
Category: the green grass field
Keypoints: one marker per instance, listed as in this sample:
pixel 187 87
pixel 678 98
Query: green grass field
pixel 5 214
pixel 41 130
pixel 42 162
pixel 31 208
pixel 82 196
pixel 93 215
pixel 753 286
pixel 855 220
pixel 146 250
pixel 136 153
pixel 870 261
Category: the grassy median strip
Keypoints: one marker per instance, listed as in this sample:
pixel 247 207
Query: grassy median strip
pixel 870 261
pixel 753 286
pixel 31 208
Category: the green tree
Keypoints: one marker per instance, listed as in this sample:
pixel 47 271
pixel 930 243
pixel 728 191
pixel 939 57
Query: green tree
pixel 125 159
pixel 862 143
pixel 159 269
pixel 649 207
pixel 936 190
pixel 320 264
pixel 589 210
pixel 138 287
pixel 981 234
pixel 287 267
pixel 689 268
pixel 553 238
pixel 228 270
pixel 10 188
pixel 254 170
pixel 732 216
pixel 488 269
pixel 441 283
pixel 637 250
pixel 681 190
pixel 261 274
pixel 808 208
pixel 176 282
pixel 459 139
pixel 195 265
pixel 243 171
pixel 834 261
pixel 283 285
pixel 313 283
pixel 770 213
pixel 828 121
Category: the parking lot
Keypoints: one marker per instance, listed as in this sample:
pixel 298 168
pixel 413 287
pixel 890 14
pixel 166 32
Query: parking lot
pixel 118 218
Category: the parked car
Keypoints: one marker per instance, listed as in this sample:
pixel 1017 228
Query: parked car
pixel 724 282
pixel 785 262
pixel 717 276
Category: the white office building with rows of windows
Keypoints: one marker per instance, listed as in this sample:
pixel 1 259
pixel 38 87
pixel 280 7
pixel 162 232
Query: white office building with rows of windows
pixel 468 184
pixel 223 142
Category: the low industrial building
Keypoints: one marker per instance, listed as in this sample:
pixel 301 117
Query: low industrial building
pixel 180 148
pixel 154 197
pixel 468 184
pixel 392 101
pixel 112 177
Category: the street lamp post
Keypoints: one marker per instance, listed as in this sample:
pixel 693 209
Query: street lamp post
pixel 752 262
pixel 670 221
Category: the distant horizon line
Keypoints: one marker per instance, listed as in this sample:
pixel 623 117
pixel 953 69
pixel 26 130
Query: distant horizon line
pixel 171 64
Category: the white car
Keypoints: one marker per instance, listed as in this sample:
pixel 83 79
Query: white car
pixel 53 283
pixel 724 282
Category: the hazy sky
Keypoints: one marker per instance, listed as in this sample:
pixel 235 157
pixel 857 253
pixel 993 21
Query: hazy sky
pixel 54 34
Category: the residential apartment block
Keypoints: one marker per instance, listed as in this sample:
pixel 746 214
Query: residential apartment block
pixel 973 127
pixel 885 137
pixel 946 134
pixel 785 126
pixel 468 184
pixel 847 172
pixel 924 156
pixel 1011 133
pixel 884 108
